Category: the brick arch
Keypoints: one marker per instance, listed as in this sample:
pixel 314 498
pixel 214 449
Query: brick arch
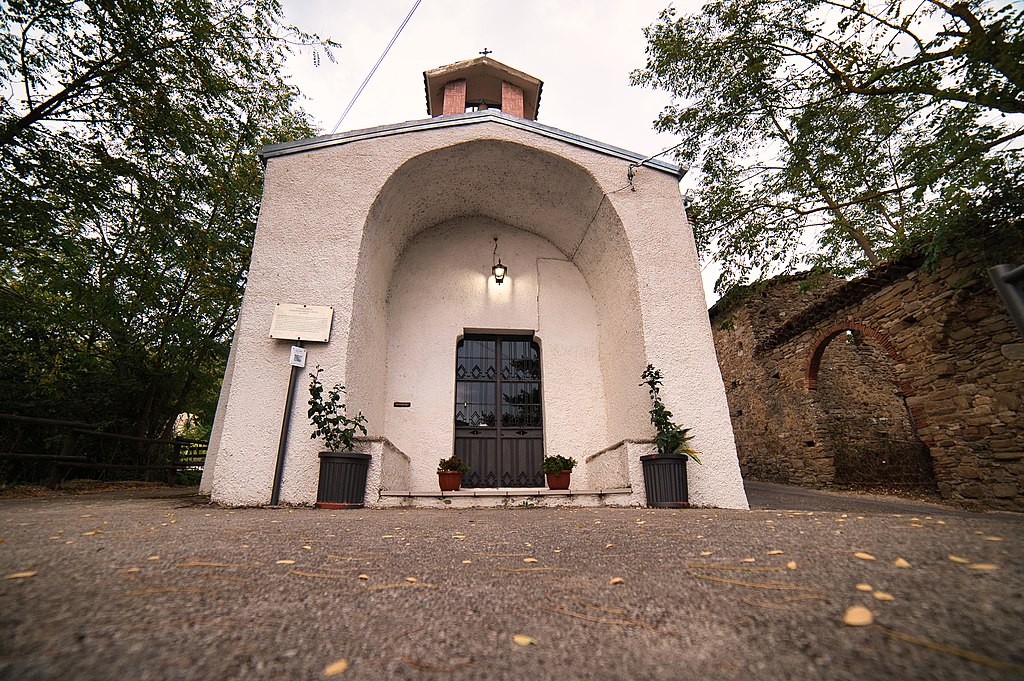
pixel 821 342
pixel 825 337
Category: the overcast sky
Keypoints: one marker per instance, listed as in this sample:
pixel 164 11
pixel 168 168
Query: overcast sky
pixel 584 52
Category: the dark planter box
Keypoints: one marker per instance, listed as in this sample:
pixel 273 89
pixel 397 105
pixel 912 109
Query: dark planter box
pixel 342 480
pixel 665 480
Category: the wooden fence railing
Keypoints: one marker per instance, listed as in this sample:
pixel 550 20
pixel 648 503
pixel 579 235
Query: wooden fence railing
pixel 82 448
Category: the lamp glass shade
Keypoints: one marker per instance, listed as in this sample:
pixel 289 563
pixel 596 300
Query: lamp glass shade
pixel 499 272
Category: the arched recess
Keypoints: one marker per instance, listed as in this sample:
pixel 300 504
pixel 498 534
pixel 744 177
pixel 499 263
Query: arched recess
pixel 525 188
pixel 861 410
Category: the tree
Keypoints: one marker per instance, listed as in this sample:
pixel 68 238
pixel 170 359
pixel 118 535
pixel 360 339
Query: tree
pixel 129 191
pixel 841 126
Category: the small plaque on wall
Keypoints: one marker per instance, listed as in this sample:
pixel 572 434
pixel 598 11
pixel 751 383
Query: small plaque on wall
pixel 302 322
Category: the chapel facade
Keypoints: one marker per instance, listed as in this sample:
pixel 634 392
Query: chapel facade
pixel 399 228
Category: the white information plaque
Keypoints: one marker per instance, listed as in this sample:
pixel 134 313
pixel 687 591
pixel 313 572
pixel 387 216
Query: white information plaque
pixel 302 322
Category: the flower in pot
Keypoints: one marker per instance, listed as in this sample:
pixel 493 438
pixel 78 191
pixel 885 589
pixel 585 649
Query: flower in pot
pixel 665 472
pixel 342 471
pixel 450 472
pixel 557 470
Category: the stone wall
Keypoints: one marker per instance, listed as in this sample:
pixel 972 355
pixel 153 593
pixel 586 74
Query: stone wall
pixel 901 376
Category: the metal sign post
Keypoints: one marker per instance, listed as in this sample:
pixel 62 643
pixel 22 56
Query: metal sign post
pixel 299 323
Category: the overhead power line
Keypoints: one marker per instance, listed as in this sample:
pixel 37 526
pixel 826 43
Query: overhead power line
pixel 374 69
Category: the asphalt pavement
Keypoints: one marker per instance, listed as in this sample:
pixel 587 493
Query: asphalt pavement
pixel 158 584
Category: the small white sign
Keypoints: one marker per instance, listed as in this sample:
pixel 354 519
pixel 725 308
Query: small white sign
pixel 298 357
pixel 302 322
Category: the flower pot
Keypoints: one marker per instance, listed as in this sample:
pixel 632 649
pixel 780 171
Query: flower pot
pixel 342 480
pixel 450 481
pixel 559 480
pixel 665 480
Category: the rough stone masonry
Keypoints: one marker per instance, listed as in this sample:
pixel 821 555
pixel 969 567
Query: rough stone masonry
pixel 903 376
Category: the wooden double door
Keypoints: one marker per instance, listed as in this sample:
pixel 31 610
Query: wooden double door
pixel 498 424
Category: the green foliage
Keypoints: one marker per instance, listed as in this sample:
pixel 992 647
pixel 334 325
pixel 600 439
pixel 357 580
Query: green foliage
pixel 671 438
pixel 188 478
pixel 834 133
pixel 453 463
pixel 329 418
pixel 557 464
pixel 129 191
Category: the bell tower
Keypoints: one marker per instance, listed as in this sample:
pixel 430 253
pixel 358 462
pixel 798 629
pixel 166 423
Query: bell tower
pixel 479 84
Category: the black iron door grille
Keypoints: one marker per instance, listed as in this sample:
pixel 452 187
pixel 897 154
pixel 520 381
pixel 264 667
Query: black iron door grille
pixel 498 425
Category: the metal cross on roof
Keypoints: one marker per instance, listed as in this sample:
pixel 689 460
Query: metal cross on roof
pixel 487 52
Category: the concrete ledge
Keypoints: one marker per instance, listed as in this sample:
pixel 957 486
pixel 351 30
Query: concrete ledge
pixel 517 492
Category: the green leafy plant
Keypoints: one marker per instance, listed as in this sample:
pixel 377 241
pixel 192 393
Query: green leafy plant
pixel 557 464
pixel 329 418
pixel 671 438
pixel 453 463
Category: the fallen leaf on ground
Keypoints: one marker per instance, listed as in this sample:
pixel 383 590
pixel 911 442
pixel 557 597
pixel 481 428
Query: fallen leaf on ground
pixel 90 533
pixel 864 587
pixel 616 580
pixel 900 563
pixel 791 565
pixel 957 559
pixel 524 640
pixel 364 576
pixel 530 560
pixel 307 547
pixel 992 537
pixel 336 667
pixel 863 556
pixel 755 585
pixel 302 573
pixel 749 560
pixel 411 579
pixel 132 569
pixel 858 616
pixel 21 575
pixel 400 585
pixel 466 562
pixel 983 566
pixel 166 590
pixel 883 596
pixel 706 553
pixel 608 546
pixel 152 557
pixel 775 552
pixel 285 562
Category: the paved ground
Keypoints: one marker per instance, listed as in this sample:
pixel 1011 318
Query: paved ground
pixel 156 584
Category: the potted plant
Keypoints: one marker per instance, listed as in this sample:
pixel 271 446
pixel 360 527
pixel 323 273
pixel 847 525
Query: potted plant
pixel 342 471
pixel 557 470
pixel 665 472
pixel 450 472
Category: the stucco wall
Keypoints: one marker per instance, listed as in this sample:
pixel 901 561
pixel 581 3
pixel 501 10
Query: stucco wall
pixel 441 288
pixel 333 227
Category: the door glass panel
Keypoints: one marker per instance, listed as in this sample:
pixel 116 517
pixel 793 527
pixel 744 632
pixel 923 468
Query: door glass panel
pixel 474 404
pixel 520 404
pixel 475 360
